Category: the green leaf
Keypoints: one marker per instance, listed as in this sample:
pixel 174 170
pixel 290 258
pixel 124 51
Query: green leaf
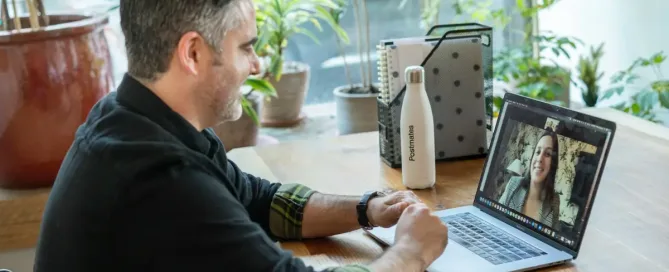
pixel 565 52
pixel 636 108
pixel 663 97
pixel 647 99
pixel 660 85
pixel 316 24
pixel 480 15
pixel 248 109
pixel 618 77
pixel 276 66
pixel 261 86
pixel 659 57
pixel 308 34
pixel 610 92
pixel 632 78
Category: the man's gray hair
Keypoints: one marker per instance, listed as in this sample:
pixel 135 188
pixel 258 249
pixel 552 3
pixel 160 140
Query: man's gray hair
pixel 152 29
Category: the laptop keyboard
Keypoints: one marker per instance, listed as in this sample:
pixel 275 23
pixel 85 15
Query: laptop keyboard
pixel 488 241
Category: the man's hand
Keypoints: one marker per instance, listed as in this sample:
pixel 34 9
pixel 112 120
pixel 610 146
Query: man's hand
pixel 421 234
pixel 384 211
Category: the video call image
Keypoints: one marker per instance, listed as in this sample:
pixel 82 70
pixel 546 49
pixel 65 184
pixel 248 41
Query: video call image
pixel 542 174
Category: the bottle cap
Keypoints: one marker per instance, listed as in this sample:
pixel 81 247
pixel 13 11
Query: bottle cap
pixel 414 74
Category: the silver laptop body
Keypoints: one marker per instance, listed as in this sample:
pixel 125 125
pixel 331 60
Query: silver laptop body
pixel 491 236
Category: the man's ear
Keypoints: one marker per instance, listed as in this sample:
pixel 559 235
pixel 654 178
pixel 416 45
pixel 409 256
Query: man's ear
pixel 188 52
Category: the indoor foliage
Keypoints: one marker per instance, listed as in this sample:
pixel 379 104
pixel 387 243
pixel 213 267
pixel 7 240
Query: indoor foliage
pixel 644 100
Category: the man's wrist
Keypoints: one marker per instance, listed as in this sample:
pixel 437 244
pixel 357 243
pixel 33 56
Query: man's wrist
pixel 410 250
pixel 401 256
pixel 370 211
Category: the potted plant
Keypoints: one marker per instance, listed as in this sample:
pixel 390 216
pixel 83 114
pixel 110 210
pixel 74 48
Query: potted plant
pixel 528 69
pixel 643 102
pixel 53 69
pixel 277 21
pixel 589 75
pixel 531 69
pixel 356 108
pixel 244 131
pixel 536 75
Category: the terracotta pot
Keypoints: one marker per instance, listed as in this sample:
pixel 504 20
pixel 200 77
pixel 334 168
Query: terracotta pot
pixel 242 132
pixel 50 80
pixel 286 109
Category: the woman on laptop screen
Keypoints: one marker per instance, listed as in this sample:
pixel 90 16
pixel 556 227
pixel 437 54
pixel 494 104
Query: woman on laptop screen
pixel 534 193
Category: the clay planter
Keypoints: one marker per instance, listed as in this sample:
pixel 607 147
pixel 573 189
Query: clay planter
pixel 356 110
pixel 243 132
pixel 286 109
pixel 50 79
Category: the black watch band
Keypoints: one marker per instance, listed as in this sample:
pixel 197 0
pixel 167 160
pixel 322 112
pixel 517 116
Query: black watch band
pixel 362 209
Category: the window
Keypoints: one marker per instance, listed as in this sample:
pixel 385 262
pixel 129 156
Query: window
pixel 386 20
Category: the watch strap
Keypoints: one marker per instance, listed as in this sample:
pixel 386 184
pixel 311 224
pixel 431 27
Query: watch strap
pixel 362 207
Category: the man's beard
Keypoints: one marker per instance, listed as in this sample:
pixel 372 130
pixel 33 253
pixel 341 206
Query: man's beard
pixel 224 99
pixel 225 108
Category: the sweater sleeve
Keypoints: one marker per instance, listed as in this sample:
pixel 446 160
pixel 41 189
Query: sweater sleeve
pixel 287 210
pixel 278 208
pixel 189 221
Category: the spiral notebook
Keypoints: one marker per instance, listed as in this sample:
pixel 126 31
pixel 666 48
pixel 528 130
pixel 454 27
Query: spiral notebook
pixel 458 71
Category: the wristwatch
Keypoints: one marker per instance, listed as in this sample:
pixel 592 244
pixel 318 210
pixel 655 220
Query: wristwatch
pixel 362 209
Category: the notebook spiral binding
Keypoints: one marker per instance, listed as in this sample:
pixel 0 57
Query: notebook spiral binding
pixel 394 55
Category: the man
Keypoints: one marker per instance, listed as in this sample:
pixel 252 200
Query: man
pixel 146 185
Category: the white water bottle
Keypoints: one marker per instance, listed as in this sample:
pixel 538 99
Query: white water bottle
pixel 417 132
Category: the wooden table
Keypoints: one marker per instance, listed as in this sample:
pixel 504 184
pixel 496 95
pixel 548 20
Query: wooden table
pixel 629 224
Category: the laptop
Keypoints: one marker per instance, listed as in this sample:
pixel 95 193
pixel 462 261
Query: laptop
pixel 517 222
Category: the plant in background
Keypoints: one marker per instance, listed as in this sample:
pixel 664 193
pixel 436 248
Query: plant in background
pixel 536 75
pixel 429 15
pixel 261 86
pixel 589 75
pixel 477 10
pixel 481 11
pixel 645 100
pixel 278 20
pixel 531 68
pixel 362 37
pixel 336 14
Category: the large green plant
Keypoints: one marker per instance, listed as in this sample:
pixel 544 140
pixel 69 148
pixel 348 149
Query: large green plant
pixel 530 67
pixel 536 75
pixel 645 100
pixel 279 20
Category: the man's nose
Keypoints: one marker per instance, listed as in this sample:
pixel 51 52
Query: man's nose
pixel 255 65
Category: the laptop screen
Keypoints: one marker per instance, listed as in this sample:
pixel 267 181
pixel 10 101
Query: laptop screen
pixel 542 169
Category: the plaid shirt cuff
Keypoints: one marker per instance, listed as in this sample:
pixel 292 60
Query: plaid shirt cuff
pixel 287 209
pixel 349 268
